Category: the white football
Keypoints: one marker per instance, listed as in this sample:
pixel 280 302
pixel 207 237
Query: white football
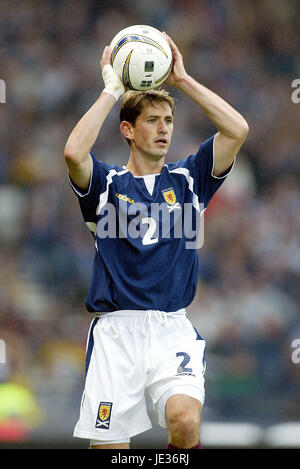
pixel 141 56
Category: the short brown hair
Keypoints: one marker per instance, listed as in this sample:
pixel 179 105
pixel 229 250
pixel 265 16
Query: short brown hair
pixel 133 103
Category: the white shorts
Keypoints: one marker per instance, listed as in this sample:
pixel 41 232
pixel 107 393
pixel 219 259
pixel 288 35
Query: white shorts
pixel 127 353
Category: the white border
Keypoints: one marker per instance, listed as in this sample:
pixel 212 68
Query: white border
pixel 80 194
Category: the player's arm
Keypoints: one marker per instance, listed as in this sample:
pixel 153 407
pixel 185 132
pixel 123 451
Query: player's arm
pixel 232 127
pixel 84 135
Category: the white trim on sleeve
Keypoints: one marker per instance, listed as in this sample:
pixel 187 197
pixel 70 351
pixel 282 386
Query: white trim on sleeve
pixel 80 194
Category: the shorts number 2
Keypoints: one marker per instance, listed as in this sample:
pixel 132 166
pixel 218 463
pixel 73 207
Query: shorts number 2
pixel 182 367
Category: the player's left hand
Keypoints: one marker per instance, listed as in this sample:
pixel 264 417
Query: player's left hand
pixel 178 72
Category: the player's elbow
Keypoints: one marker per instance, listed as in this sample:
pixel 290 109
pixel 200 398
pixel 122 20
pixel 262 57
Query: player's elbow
pixel 243 129
pixel 71 154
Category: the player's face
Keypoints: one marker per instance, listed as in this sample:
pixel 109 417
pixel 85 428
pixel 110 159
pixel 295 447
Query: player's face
pixel 153 130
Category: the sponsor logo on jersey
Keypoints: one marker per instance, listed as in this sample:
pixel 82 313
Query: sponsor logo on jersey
pixel 124 197
pixel 104 414
pixel 169 196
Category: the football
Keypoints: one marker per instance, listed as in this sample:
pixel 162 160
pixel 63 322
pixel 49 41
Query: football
pixel 141 56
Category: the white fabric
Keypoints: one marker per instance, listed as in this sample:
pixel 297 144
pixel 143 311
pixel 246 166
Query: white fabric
pixel 134 351
pixel 112 82
pixel 149 180
pixel 149 183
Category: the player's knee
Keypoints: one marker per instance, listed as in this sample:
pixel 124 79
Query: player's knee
pixel 184 423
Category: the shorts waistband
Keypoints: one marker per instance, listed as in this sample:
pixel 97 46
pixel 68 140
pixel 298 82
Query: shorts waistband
pixel 139 313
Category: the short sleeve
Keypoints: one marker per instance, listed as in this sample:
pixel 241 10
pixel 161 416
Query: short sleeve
pixel 89 199
pixel 201 170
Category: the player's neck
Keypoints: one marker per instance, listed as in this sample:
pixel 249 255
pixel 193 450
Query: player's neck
pixel 142 166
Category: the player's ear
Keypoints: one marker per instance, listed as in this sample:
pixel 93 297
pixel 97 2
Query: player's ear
pixel 127 130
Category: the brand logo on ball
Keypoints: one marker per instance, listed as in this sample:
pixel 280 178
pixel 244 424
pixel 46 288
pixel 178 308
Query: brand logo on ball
pixel 149 66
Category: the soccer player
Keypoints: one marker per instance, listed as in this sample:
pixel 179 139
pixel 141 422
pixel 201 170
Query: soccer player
pixel 142 217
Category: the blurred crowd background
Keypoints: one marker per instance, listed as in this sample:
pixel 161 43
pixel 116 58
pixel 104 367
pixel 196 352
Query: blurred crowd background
pixel 247 305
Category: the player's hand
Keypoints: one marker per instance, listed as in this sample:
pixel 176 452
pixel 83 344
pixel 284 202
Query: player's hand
pixel 113 84
pixel 178 72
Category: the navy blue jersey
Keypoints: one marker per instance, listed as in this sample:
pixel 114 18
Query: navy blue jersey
pixel 146 256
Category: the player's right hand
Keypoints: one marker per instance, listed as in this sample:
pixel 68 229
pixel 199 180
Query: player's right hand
pixel 113 84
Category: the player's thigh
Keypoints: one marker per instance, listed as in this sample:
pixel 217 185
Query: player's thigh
pixel 179 368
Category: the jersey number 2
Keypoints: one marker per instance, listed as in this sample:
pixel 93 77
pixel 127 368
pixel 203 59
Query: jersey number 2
pixel 147 238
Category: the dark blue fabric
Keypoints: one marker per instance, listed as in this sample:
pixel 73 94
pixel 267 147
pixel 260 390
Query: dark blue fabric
pixel 127 273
